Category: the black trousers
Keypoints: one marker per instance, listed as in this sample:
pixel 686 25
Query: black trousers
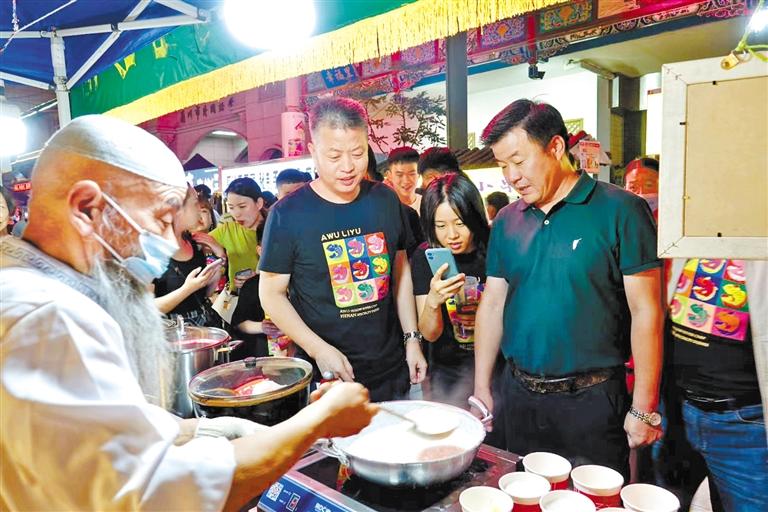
pixel 585 426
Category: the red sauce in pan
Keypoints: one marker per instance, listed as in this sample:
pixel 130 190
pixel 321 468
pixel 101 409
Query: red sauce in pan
pixel 443 451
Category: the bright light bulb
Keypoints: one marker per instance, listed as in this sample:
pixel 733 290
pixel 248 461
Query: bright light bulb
pixel 271 25
pixel 759 20
pixel 13 132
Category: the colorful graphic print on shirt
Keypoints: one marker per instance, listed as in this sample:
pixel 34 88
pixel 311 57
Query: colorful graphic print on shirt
pixel 360 269
pixel 711 298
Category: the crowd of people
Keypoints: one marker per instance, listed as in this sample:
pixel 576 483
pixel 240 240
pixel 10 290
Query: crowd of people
pixel 552 298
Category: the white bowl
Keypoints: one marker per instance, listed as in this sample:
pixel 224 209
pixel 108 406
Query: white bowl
pixel 597 480
pixel 551 466
pixel 566 501
pixel 525 488
pixel 649 498
pixel 485 499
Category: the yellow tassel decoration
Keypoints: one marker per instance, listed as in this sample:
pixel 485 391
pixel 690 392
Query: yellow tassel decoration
pixel 375 37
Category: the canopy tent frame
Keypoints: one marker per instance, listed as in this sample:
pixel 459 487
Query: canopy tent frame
pixel 188 15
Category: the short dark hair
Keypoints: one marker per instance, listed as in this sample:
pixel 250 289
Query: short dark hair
pixel 462 195
pixel 540 121
pixel 440 159
pixel 269 198
pixel 204 191
pixel 260 231
pixel 291 176
pixel 497 199
pixel 373 174
pixel 338 112
pixel 403 155
pixel 245 187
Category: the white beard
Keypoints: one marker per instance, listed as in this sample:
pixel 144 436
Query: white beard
pixel 134 310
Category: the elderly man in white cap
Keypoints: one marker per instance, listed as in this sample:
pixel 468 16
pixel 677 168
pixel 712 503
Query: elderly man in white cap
pixel 82 354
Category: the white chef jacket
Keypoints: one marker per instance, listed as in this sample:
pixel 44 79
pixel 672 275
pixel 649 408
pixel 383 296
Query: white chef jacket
pixel 76 432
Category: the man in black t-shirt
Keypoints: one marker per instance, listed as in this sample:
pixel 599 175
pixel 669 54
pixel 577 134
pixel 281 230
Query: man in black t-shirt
pixel 334 274
pixel 709 335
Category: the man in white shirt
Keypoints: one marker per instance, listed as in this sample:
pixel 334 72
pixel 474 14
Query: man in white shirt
pixel 82 353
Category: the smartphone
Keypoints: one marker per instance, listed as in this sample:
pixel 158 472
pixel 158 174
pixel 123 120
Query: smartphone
pixel 245 273
pixel 440 256
pixel 212 264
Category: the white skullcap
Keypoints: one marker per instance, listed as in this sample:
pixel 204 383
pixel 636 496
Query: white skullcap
pixel 122 145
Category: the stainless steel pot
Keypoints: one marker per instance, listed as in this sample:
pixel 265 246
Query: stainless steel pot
pixel 376 464
pixel 217 391
pixel 193 350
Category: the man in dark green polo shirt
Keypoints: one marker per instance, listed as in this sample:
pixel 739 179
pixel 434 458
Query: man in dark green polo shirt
pixel 573 286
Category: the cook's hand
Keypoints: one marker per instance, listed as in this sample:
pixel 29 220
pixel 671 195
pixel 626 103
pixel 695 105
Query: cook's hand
pixel 210 242
pixel 330 359
pixel 321 390
pixel 440 290
pixel 346 409
pixel 227 426
pixel 640 433
pixel 485 396
pixel 417 364
pixel 196 279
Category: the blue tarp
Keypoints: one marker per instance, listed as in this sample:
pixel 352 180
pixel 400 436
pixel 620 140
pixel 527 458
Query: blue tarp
pixel 31 58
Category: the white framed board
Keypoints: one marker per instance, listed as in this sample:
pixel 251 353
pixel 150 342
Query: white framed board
pixel 713 178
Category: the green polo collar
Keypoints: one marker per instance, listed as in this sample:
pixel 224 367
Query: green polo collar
pixel 579 194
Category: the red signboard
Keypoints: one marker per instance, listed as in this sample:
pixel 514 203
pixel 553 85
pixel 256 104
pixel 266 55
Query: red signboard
pixel 22 186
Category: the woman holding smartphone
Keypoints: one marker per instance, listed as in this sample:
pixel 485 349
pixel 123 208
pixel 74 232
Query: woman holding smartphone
pixel 185 287
pixel 246 206
pixel 453 218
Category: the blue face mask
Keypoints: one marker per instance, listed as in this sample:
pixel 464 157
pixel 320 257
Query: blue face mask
pixel 157 250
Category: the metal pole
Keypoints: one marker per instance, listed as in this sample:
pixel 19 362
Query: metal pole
pixel 456 90
pixel 60 78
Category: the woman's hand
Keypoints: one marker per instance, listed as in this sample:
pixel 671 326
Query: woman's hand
pixel 210 242
pixel 440 290
pixel 201 277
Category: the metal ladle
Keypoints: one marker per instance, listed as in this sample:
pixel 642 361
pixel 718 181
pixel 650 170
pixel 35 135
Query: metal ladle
pixel 431 428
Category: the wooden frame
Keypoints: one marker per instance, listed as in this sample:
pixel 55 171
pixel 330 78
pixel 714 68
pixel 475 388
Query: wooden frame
pixel 713 183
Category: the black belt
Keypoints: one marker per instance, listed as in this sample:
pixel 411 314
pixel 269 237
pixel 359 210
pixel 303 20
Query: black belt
pixel 712 404
pixel 563 384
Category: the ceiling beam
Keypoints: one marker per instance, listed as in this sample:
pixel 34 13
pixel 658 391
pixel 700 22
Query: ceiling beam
pixel 25 81
pixel 185 8
pixel 108 42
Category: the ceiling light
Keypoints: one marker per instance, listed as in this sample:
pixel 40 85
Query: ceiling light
pixel 273 25
pixel 223 133
pixel 13 132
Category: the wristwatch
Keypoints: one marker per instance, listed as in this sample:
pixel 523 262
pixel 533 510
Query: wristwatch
pixel 652 418
pixel 412 335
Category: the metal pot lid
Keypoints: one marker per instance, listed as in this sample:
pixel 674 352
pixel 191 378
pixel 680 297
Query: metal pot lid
pixel 199 338
pixel 251 381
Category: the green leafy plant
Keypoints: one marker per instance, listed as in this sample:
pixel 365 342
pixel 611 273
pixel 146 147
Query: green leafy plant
pixel 425 114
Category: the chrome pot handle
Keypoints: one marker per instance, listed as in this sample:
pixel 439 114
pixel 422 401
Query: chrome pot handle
pixel 326 446
pixel 480 405
pixel 229 346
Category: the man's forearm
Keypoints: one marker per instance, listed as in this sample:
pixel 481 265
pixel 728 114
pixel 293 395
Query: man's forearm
pixel 261 459
pixel 284 316
pixel 488 330
pixel 405 302
pixel 648 353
